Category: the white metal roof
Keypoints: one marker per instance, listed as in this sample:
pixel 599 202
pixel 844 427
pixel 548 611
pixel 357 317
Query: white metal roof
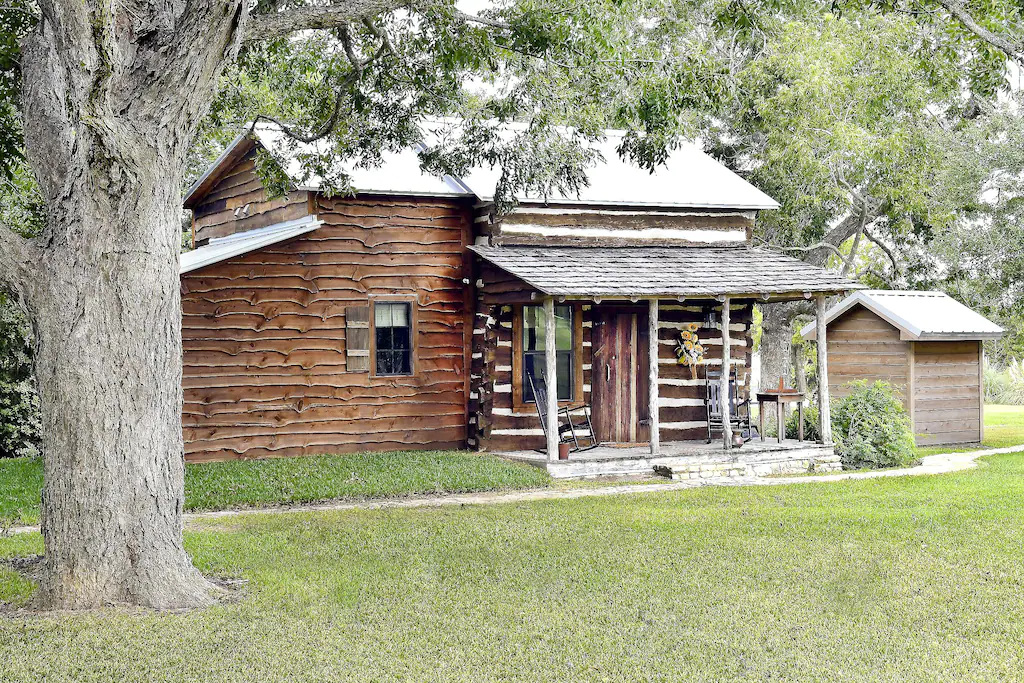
pixel 690 178
pixel 926 316
pixel 223 248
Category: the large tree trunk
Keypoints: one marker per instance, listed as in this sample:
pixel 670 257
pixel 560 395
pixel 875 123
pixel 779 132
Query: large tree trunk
pixel 109 113
pixel 776 342
pixel 108 363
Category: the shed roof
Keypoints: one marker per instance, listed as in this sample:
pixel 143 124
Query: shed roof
pixel 934 316
pixel 697 272
pixel 690 178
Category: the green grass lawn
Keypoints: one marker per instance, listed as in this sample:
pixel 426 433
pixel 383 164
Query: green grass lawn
pixel 906 579
pixel 253 483
pixel 1004 427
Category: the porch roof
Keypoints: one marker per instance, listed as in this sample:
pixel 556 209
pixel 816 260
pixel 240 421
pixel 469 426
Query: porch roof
pixel 697 272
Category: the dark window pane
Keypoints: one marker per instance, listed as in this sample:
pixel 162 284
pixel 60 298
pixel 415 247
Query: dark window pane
pixel 530 368
pixel 533 349
pixel 400 338
pixel 393 337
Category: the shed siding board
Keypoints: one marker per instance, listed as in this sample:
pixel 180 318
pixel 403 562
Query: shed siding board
pixel 947 407
pixel 214 215
pixel 264 334
pixel 862 346
pixel 944 398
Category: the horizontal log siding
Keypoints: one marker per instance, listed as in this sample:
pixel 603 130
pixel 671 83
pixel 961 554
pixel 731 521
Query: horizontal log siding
pixel 947 392
pixel 601 226
pixel 681 412
pixel 863 346
pixel 214 216
pixel 264 337
pixel 494 424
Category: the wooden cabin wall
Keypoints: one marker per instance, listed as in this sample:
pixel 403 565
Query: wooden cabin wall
pixel 947 392
pixel 496 426
pixel 264 337
pixel 681 409
pixel 602 226
pixel 863 346
pixel 239 186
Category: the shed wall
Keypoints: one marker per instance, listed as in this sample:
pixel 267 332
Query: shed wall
pixel 863 346
pixel 265 368
pixel 944 397
pixel 947 392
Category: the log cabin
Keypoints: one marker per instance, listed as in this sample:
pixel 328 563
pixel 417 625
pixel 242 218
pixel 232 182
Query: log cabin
pixel 412 316
pixel 926 344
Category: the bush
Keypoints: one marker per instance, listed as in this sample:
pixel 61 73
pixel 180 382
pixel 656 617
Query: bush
pixel 1005 386
pixel 871 428
pixel 812 432
pixel 19 404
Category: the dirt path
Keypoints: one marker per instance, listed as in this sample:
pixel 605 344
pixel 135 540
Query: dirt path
pixel 932 464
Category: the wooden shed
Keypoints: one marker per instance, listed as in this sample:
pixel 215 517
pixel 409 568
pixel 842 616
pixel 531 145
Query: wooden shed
pixel 926 343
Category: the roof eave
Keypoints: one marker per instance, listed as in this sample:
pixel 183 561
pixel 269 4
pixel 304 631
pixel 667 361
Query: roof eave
pixel 220 164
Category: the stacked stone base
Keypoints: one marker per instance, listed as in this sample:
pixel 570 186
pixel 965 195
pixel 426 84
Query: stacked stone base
pixel 739 465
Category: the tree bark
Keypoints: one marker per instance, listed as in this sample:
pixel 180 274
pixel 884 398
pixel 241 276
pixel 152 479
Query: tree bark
pixel 108 363
pixel 113 95
pixel 108 118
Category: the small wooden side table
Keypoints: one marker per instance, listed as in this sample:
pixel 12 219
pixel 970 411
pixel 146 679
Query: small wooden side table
pixel 780 399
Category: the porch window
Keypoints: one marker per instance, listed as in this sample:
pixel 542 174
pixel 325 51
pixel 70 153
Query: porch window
pixel 392 324
pixel 532 359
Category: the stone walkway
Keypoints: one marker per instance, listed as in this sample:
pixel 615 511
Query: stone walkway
pixel 932 464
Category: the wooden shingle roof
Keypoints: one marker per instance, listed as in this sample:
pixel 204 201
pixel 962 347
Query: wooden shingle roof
pixel 662 271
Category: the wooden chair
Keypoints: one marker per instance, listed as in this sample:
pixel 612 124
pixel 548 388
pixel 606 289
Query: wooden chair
pixel 739 411
pixel 570 432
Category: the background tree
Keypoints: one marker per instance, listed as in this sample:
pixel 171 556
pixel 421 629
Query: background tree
pixel 836 119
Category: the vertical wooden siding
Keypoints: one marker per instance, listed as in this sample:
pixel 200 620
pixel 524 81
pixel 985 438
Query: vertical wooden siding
pixel 264 337
pixel 947 392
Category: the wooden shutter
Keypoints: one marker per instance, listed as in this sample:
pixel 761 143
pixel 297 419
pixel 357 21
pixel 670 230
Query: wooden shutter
pixel 357 338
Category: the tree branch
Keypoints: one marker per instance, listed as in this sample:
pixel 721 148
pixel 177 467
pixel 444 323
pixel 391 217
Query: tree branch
pixel 888 252
pixel 353 76
pixel 1014 51
pixel 280 24
pixel 18 259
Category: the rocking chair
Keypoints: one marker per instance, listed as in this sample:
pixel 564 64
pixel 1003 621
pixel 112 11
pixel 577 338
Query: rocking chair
pixel 570 432
pixel 739 411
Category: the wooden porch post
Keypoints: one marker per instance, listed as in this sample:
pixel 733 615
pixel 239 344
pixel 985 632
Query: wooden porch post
pixel 652 363
pixel 550 377
pixel 824 411
pixel 724 391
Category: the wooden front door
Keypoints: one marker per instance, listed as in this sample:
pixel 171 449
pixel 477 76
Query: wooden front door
pixel 619 403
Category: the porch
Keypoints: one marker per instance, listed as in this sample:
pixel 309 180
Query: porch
pixel 688 460
pixel 609 327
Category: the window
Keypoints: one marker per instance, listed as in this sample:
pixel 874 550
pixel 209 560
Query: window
pixel 533 349
pixel 392 323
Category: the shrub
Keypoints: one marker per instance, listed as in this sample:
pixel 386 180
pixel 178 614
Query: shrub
pixel 1005 386
pixel 871 428
pixel 811 430
pixel 19 404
